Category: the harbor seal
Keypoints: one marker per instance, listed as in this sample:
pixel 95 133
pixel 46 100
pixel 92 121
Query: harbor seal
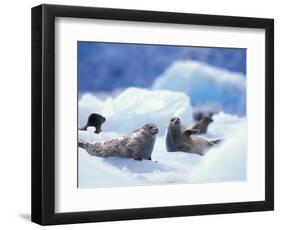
pixel 179 138
pixel 137 145
pixel 95 120
pixel 202 124
pixel 200 112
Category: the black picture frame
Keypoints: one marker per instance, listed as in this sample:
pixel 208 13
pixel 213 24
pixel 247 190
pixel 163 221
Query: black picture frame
pixel 43 114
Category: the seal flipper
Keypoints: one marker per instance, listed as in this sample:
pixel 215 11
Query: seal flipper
pixel 191 131
pixel 216 141
pixel 82 144
pixel 203 124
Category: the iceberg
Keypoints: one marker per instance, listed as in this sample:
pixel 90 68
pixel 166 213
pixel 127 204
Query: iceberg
pixel 135 107
pixel 206 85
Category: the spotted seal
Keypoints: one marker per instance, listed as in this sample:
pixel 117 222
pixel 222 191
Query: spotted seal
pixel 137 145
pixel 179 138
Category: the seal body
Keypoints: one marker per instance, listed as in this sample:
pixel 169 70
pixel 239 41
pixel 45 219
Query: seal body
pixel 170 146
pixel 181 139
pixel 137 145
pixel 199 113
pixel 202 124
pixel 95 120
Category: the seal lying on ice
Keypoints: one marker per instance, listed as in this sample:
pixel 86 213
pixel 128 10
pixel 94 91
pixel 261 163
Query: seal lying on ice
pixel 137 145
pixel 95 120
pixel 179 138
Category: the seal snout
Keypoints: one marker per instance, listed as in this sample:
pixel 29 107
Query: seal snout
pixel 151 128
pixel 175 121
pixel 156 130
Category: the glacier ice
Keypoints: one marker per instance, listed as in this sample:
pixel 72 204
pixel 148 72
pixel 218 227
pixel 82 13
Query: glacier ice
pixel 135 107
pixel 206 85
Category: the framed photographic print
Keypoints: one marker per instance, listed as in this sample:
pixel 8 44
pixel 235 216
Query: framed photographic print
pixel 141 114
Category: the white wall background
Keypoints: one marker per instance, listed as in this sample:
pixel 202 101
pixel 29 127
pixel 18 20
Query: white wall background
pixel 15 113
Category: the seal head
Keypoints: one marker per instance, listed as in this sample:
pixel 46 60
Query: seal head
pixel 174 124
pixel 150 129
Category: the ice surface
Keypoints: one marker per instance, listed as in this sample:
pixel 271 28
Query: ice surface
pixel 134 107
pixel 226 162
pixel 206 85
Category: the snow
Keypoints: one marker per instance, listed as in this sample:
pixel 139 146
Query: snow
pixel 224 124
pixel 224 163
pixel 127 112
pixel 135 107
pixel 206 85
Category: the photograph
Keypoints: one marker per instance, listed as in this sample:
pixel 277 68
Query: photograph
pixel 172 113
pixel 154 114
